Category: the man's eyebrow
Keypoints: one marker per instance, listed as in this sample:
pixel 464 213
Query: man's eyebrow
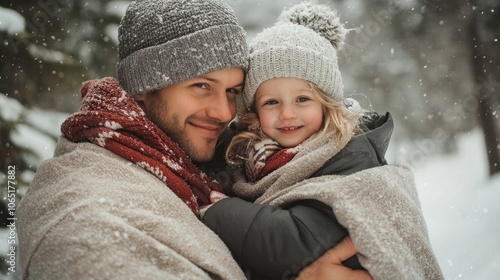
pixel 210 79
pixel 218 82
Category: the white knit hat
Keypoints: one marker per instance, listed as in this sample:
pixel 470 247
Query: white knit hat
pixel 302 44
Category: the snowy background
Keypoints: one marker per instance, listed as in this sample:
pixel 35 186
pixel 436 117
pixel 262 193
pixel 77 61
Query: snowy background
pixel 460 204
pixel 415 54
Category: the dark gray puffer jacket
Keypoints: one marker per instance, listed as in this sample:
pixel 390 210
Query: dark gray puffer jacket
pixel 277 243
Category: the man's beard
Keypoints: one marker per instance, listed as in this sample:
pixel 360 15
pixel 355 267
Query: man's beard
pixel 172 128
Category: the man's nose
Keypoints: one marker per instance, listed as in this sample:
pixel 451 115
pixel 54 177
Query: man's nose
pixel 221 107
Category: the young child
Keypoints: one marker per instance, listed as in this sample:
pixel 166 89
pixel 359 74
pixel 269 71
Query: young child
pixel 295 131
pixel 293 97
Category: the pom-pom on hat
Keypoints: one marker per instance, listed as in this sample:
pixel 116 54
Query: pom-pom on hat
pixel 302 44
pixel 162 42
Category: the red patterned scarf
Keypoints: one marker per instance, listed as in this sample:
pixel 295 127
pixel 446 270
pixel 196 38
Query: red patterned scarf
pixel 265 157
pixel 111 118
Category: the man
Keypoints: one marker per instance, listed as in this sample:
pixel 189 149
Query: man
pixel 121 197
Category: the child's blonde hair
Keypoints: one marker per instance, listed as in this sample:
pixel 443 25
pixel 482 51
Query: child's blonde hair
pixel 337 118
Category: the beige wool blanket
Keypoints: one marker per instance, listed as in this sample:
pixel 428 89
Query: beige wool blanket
pixel 378 206
pixel 90 214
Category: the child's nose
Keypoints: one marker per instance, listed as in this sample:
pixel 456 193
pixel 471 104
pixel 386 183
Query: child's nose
pixel 287 113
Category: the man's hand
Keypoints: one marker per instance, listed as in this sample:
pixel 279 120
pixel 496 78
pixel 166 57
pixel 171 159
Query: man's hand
pixel 329 266
pixel 215 196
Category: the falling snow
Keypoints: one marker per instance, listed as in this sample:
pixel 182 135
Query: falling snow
pixel 459 200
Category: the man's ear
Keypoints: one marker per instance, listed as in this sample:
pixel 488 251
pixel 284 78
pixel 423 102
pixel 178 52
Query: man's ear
pixel 140 99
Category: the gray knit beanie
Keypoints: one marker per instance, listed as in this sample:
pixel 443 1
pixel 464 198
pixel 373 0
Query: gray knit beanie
pixel 302 44
pixel 162 42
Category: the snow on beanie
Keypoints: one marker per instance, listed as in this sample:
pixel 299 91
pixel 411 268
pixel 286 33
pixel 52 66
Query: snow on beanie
pixel 302 44
pixel 162 42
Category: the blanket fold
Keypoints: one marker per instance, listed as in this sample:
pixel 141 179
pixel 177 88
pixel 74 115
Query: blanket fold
pixel 91 214
pixel 378 206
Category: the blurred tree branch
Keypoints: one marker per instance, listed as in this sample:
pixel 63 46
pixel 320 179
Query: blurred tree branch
pixel 485 64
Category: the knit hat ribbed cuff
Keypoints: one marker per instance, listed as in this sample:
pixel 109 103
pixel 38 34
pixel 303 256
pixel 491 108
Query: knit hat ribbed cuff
pixel 156 67
pixel 295 62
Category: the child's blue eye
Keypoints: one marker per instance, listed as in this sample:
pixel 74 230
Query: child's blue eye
pixel 303 99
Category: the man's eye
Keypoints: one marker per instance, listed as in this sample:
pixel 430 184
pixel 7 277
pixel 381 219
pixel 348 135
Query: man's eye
pixel 201 85
pixel 232 90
